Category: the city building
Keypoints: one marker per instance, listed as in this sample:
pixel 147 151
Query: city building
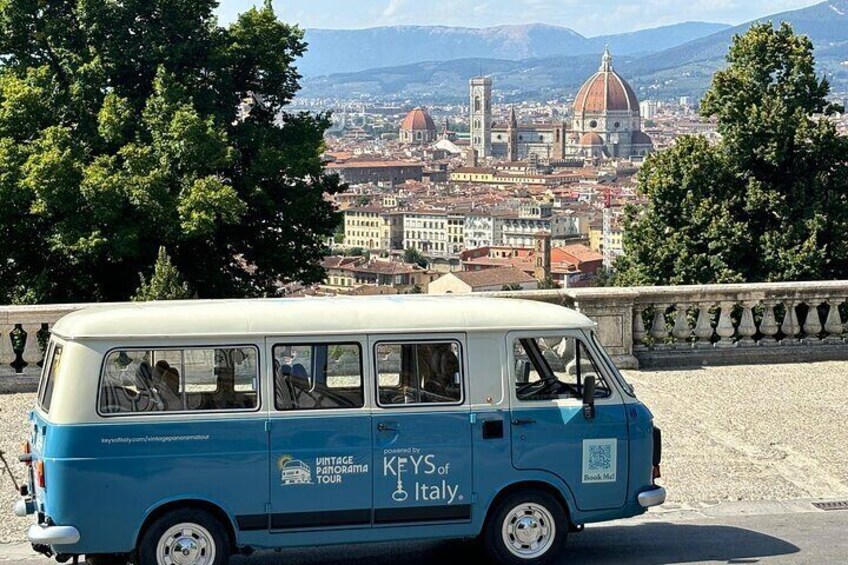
pixel 364 227
pixel 482 230
pixel 349 274
pixel 426 232
pixel 418 128
pixel 489 280
pixel 363 171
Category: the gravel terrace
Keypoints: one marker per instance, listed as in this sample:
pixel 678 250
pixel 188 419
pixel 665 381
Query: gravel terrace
pixel 730 433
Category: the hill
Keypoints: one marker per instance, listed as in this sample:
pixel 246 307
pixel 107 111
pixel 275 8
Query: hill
pixel 684 69
pixel 333 51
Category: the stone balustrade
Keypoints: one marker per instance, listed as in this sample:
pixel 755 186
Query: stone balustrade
pixel 663 326
pixel 668 326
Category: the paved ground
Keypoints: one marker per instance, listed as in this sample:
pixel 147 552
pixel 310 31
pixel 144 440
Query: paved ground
pixel 748 433
pixel 734 534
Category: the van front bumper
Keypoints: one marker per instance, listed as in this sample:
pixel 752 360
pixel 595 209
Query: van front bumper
pixel 652 497
pixel 52 535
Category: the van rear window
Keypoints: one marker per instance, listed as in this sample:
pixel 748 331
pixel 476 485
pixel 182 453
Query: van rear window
pixel 52 366
pixel 179 380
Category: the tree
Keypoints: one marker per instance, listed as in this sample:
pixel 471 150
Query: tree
pixel 548 283
pixel 165 283
pixel 414 257
pixel 769 201
pixel 511 287
pixel 128 126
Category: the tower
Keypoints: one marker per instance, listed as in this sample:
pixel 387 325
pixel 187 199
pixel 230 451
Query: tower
pixel 480 117
pixel 512 132
pixel 542 246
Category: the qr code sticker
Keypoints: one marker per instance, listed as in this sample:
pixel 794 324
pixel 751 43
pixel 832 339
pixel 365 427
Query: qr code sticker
pixel 600 457
pixel 599 460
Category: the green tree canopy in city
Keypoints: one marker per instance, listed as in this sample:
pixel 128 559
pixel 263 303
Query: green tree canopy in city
pixel 128 126
pixel 769 202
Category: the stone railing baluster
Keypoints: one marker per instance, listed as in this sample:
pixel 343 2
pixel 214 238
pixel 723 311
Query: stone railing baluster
pixel 659 331
pixel 833 324
pixel 724 328
pixel 747 328
pixel 681 331
pixel 703 326
pixel 6 353
pixel 812 322
pixel 769 326
pixel 32 352
pixel 639 333
pixel 790 326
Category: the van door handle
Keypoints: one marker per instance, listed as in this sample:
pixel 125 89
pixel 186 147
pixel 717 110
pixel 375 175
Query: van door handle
pixel 383 427
pixel 523 421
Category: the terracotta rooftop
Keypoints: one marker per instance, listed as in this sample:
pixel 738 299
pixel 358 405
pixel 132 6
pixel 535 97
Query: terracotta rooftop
pixel 496 276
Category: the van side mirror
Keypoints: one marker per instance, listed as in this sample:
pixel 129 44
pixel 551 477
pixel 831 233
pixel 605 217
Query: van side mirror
pixel 589 397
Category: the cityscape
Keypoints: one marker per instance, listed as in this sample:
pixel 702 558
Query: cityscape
pixel 532 192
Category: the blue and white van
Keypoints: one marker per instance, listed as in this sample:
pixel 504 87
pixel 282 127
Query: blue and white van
pixel 185 432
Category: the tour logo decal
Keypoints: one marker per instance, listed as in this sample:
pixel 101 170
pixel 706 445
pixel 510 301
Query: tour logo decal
pixel 294 471
pixel 330 470
pixel 599 460
pixel 419 477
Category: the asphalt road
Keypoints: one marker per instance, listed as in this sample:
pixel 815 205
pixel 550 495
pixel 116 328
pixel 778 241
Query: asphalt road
pixel 786 538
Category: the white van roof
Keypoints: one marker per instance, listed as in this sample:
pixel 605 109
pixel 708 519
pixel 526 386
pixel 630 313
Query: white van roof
pixel 303 316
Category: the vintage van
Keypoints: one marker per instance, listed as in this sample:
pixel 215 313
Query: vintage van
pixel 184 432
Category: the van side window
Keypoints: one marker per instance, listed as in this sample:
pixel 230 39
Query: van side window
pixel 179 380
pixel 416 373
pixel 318 376
pixel 548 368
pixel 51 370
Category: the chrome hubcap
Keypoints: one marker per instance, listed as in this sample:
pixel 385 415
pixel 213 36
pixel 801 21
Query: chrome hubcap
pixel 186 544
pixel 529 530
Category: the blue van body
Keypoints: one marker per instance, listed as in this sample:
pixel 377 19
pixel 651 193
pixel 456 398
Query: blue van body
pixel 279 479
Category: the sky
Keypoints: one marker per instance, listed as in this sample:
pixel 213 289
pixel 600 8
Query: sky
pixel 588 17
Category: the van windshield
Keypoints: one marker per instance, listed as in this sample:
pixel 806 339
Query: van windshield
pixel 628 388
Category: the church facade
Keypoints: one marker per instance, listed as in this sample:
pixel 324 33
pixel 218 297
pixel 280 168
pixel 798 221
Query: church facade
pixel 605 124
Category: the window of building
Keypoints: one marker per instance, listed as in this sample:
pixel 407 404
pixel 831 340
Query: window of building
pixel 179 380
pixel 419 373
pixel 548 368
pixel 318 376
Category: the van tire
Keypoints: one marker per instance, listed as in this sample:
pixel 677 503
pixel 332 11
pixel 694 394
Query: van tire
pixel 205 533
pixel 515 516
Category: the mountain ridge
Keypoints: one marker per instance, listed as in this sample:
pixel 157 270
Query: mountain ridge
pixel 332 51
pixel 684 69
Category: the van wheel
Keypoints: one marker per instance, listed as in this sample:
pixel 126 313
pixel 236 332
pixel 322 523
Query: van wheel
pixel 527 527
pixel 185 537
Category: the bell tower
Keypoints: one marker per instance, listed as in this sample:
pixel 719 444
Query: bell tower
pixel 512 133
pixel 480 115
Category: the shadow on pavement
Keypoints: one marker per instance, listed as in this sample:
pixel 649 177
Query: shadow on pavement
pixel 645 544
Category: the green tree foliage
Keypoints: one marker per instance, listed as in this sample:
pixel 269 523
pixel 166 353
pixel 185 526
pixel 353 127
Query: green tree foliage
pixel 414 257
pixel 121 132
pixel 165 283
pixel 767 203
